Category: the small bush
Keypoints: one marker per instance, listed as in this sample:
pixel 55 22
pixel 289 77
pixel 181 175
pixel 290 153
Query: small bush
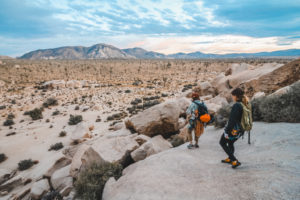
pixel 25 164
pixel 35 114
pixel 62 134
pixel 2 157
pixel 91 181
pixel 55 113
pixel 56 146
pixel 176 141
pixel 75 119
pixel 8 122
pixel 50 102
pixel 127 91
pixel 10 116
pixel 2 107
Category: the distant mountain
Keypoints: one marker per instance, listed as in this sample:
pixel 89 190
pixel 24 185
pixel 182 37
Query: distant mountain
pixel 197 55
pixel 98 51
pixel 104 51
pixel 142 53
pixel 5 57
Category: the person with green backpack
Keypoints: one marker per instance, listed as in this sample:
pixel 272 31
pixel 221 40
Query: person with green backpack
pixel 240 120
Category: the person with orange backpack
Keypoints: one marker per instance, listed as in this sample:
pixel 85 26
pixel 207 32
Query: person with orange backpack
pixel 197 117
pixel 240 120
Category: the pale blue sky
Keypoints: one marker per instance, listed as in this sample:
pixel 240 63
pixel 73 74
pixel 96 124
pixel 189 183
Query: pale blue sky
pixel 166 26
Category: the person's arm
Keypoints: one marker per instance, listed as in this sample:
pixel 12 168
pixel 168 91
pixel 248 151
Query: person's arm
pixel 233 119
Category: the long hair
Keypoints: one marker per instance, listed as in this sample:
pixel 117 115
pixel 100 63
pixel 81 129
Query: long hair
pixel 240 94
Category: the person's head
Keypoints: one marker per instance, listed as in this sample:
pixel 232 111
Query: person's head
pixel 195 96
pixel 237 94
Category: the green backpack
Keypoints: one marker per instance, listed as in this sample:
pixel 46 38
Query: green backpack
pixel 247 121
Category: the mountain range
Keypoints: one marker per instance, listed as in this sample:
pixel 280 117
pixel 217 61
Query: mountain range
pixel 104 51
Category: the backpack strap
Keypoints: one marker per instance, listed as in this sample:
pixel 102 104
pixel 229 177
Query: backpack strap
pixel 201 105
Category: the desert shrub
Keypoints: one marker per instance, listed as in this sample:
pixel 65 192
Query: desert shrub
pixel 91 181
pixel 8 122
pixel 10 116
pixel 2 107
pixel 127 91
pixel 56 146
pixel 25 164
pixel 35 114
pixel 75 119
pixel 77 108
pixel 2 157
pixel 62 134
pixel 222 116
pixel 50 102
pixel 279 108
pixel 56 112
pixel 176 141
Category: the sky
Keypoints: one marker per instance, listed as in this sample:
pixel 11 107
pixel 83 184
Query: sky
pixel 165 26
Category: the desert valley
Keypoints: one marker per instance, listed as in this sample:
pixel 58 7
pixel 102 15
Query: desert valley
pixel 58 117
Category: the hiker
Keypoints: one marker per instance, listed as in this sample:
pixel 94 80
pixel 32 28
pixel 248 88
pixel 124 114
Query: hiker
pixel 197 116
pixel 240 120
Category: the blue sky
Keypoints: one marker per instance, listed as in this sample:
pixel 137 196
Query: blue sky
pixel 166 26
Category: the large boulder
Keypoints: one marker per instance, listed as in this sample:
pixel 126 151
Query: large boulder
pixel 74 84
pixel 60 163
pixel 270 82
pixel 204 89
pixel 225 84
pixel 39 188
pixel 161 119
pixel 84 156
pixel 62 181
pixel 55 84
pixel 79 131
pixel 153 146
pixel 115 149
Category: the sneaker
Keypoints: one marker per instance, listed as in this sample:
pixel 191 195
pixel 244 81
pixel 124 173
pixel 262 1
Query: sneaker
pixel 227 160
pixel 235 164
pixel 190 146
pixel 196 146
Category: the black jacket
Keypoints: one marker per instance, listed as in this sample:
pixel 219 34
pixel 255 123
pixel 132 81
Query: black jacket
pixel 234 118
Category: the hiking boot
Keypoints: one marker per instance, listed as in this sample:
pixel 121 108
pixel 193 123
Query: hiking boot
pixel 235 164
pixel 227 160
pixel 190 146
pixel 196 146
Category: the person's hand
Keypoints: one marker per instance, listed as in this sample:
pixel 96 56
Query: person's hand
pixel 226 136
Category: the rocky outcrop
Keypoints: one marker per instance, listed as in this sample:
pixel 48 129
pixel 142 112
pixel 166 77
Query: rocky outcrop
pixel 183 174
pixel 115 149
pixel 161 119
pixel 224 83
pixel 204 89
pixel 62 181
pixel 84 156
pixel 153 146
pixel 39 188
pixel 274 80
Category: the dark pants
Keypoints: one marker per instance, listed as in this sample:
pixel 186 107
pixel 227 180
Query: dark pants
pixel 228 147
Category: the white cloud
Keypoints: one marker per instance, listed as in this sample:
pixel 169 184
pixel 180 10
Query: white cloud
pixel 213 44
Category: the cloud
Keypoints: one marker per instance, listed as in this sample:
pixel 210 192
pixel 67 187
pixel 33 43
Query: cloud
pixel 215 44
pixel 162 25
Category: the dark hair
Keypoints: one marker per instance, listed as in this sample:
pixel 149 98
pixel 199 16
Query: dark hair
pixel 239 93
